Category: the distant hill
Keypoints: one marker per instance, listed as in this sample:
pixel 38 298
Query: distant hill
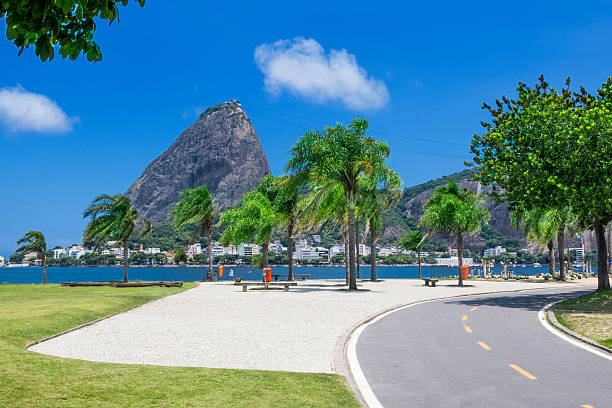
pixel 405 216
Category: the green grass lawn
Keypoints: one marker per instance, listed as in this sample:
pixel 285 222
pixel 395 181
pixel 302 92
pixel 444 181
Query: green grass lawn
pixel 31 312
pixel 589 315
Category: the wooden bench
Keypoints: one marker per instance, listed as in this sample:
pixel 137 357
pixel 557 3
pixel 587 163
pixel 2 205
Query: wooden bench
pixel 430 281
pixel 303 276
pixel 266 285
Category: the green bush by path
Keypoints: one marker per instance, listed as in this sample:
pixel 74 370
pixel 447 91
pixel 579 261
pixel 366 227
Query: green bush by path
pixel 27 379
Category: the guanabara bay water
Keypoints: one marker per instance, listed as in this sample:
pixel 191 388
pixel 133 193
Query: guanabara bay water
pixel 196 273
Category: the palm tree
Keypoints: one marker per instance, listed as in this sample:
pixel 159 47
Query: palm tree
pixel 340 156
pixel 454 211
pixel 541 227
pixel 254 218
pixel 285 194
pixel 34 241
pixel 412 241
pixel 196 207
pixel 113 218
pixel 375 203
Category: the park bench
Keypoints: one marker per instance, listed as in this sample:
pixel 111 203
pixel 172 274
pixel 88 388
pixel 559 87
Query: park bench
pixel 430 282
pixel 303 276
pixel 265 285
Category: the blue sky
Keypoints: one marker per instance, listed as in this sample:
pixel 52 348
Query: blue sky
pixel 419 73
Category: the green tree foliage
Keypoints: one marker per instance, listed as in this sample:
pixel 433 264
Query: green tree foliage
pixel 285 195
pixel 551 150
pixel 16 258
pixel 113 218
pixel 179 255
pixel 196 207
pixel 454 211
pixel 413 241
pixel 253 219
pixel 340 155
pixel 34 241
pixel 69 23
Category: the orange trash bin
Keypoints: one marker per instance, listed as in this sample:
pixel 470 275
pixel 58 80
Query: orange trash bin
pixel 221 271
pixel 269 274
pixel 465 272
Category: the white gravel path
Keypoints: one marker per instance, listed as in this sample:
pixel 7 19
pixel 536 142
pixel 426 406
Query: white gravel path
pixel 217 325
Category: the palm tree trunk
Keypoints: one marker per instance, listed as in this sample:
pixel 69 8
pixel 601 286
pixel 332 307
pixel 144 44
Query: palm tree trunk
pixel 125 260
pixel 352 238
pixel 44 261
pixel 460 256
pixel 603 280
pixel 419 260
pixel 346 255
pixel 357 259
pixel 290 248
pixel 561 245
pixel 209 252
pixel 264 252
pixel 551 262
pixel 373 276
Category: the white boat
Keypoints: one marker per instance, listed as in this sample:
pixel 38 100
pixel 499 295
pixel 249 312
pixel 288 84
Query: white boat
pixel 231 274
pixel 537 264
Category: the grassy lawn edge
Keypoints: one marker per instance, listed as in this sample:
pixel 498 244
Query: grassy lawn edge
pixel 588 315
pixel 30 313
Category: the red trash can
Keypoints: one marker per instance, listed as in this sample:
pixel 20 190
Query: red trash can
pixel 465 272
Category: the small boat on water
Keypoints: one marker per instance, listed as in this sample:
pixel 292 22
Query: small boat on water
pixel 231 274
pixel 537 264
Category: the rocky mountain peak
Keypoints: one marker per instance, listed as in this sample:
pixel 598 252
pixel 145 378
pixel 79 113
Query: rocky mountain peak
pixel 221 150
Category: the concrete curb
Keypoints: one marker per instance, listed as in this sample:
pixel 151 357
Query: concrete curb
pixel 553 320
pixel 340 363
pixel 27 347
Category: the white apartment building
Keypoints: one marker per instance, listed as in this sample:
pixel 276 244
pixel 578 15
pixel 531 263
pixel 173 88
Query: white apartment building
pixel 218 250
pixel 277 248
pixel 364 249
pixel 75 251
pixel 336 249
pixel 454 261
pixel 151 251
pixel 194 249
pixel 490 252
pixel 248 249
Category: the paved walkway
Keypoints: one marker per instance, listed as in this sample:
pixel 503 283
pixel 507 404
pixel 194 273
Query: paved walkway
pixel 481 351
pixel 217 325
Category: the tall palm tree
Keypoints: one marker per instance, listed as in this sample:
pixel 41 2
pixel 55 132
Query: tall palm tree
pixel 542 226
pixel 412 241
pixel 254 218
pixel 376 201
pixel 327 209
pixel 34 241
pixel 340 155
pixel 285 194
pixel 113 218
pixel 196 207
pixel 455 211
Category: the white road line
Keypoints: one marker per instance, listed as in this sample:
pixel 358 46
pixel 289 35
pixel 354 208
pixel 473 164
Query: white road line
pixel 547 326
pixel 362 383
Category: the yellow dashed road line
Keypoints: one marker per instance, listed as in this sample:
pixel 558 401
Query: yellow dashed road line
pixel 587 406
pixel 484 345
pixel 468 329
pixel 464 318
pixel 474 308
pixel 525 373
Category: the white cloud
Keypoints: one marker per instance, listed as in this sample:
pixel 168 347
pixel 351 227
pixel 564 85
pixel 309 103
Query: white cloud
pixel 302 67
pixel 23 111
